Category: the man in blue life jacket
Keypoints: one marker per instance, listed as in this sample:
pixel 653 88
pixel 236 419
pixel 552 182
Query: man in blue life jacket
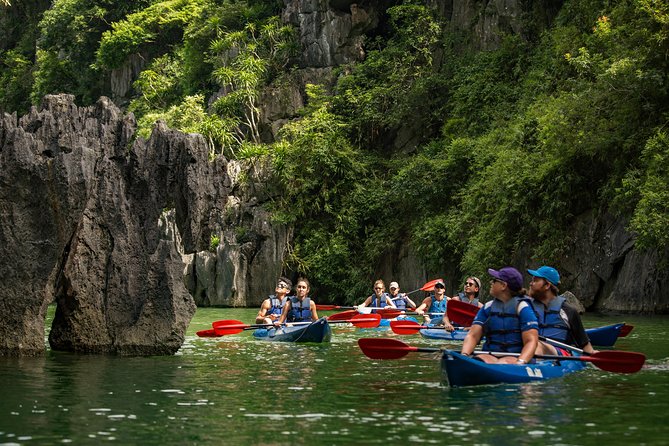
pixel 507 321
pixel 433 307
pixel 400 300
pixel 271 308
pixel 557 319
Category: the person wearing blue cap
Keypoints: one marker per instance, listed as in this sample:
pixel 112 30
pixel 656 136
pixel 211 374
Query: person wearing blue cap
pixel 508 321
pixel 557 319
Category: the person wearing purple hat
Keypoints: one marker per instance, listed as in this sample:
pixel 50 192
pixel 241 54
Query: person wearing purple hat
pixel 508 321
pixel 435 304
pixel 557 319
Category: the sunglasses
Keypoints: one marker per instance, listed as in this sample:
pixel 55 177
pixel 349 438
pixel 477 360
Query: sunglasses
pixel 440 286
pixel 283 285
pixel 497 280
pixel 470 284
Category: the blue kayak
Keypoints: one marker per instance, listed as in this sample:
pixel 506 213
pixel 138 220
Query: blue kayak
pixel 601 336
pixel 317 331
pixel 604 336
pixel 463 371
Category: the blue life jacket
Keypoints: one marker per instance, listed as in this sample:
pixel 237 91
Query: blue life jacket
pixel 502 329
pixel 299 311
pixel 400 301
pixel 437 307
pixel 276 305
pixel 463 298
pixel 551 325
pixel 379 302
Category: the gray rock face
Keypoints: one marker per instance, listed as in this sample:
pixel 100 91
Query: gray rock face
pixel 331 33
pixel 81 203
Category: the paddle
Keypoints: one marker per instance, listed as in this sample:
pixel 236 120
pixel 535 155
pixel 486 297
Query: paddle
pixel 611 361
pixel 461 313
pixel 625 330
pixel 343 316
pixel 408 327
pixel 210 333
pixel 228 327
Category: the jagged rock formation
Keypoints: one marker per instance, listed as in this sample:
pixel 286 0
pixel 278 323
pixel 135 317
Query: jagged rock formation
pixel 80 202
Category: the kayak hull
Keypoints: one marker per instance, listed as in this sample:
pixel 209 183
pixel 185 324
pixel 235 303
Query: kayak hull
pixel 605 336
pixel 461 371
pixel 318 331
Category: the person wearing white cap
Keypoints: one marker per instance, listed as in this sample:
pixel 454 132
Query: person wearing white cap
pixel 401 300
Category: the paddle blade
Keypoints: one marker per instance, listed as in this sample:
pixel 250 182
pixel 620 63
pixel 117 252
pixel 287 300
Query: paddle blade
pixel 405 327
pixel 211 333
pixel 381 348
pixel 625 330
pixel 389 313
pixel 225 322
pixel 343 316
pixel 461 313
pixel 327 307
pixel 617 361
pixel 429 286
pixel 229 327
pixel 366 320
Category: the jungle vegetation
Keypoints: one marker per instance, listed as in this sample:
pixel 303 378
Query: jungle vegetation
pixel 513 143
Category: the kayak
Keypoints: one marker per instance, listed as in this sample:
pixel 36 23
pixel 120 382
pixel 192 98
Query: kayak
pixel 462 371
pixel 604 336
pixel 600 336
pixel 385 323
pixel 317 331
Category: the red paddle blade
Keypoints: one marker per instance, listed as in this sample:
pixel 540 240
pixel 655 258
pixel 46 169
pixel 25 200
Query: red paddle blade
pixel 617 361
pixel 380 348
pixel 429 286
pixel 625 330
pixel 211 333
pixel 389 313
pixel 343 316
pixel 461 313
pixel 228 327
pixel 366 320
pixel 327 307
pixel 405 327
pixel 223 323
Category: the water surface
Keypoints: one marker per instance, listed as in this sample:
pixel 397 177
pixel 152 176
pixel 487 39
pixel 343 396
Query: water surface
pixel 237 390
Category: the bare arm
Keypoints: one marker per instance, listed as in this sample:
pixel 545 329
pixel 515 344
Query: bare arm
pixel 421 308
pixel 473 337
pixel 365 303
pixel 314 314
pixel 530 343
pixel 260 318
pixel 284 313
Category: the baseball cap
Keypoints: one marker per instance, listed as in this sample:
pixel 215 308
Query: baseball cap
pixel 546 272
pixel 510 275
pixel 394 285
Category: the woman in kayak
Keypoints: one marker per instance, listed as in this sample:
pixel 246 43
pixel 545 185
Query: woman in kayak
pixel 470 293
pixel 380 299
pixel 508 322
pixel 299 308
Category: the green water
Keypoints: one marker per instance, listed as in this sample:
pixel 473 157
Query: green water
pixel 236 390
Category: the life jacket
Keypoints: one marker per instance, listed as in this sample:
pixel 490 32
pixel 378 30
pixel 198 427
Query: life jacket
pixel 300 311
pixel 463 298
pixel 502 329
pixel 552 324
pixel 437 307
pixel 378 302
pixel 400 301
pixel 276 305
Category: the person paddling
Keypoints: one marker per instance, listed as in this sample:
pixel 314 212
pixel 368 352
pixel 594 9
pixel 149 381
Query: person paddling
pixel 436 304
pixel 380 299
pixel 557 319
pixel 271 308
pixel 299 308
pixel 400 300
pixel 470 292
pixel 508 321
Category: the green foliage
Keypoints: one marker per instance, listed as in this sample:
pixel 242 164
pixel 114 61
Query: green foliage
pixel 15 81
pixel 214 242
